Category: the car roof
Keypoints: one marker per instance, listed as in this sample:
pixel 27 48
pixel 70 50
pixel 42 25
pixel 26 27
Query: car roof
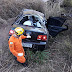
pixel 32 12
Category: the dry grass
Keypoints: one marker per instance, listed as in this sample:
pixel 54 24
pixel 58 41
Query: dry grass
pixel 58 57
pixel 11 8
pixel 67 3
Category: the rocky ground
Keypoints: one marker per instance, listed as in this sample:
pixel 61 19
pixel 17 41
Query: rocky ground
pixel 60 47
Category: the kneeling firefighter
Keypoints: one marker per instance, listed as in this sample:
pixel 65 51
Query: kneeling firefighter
pixel 15 44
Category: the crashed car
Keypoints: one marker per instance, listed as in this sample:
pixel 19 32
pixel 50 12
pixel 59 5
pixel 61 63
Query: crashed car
pixel 33 23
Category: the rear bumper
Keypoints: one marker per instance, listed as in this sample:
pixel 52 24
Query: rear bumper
pixel 35 45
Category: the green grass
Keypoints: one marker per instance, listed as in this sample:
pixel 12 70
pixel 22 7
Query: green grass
pixel 38 57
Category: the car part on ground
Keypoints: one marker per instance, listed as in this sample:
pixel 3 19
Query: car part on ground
pixel 54 25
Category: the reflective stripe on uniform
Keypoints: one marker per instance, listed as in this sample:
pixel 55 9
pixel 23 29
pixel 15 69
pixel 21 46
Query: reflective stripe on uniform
pixel 11 42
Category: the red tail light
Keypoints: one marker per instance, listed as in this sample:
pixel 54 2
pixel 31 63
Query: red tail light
pixel 39 37
pixel 11 32
pixel 42 37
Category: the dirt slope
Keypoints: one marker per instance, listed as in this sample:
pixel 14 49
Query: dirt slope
pixel 60 47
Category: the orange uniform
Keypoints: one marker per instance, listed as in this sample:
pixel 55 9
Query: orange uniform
pixel 15 46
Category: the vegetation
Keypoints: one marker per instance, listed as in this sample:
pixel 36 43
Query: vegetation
pixel 67 3
pixel 37 57
pixel 68 45
pixel 58 58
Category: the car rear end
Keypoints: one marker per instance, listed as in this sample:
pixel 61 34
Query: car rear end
pixel 37 40
pixel 38 32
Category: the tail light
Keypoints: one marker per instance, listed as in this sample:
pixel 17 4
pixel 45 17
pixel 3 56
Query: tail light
pixel 42 37
pixel 11 32
pixel 39 37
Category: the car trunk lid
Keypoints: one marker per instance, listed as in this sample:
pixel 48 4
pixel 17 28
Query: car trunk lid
pixel 33 32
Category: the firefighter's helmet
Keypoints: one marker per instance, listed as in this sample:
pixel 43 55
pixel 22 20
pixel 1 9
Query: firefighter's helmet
pixel 18 30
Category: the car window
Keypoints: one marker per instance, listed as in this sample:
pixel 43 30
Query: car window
pixel 30 21
pixel 38 24
pixel 23 20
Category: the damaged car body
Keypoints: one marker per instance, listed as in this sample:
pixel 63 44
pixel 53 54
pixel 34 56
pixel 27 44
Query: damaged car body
pixel 38 27
pixel 33 23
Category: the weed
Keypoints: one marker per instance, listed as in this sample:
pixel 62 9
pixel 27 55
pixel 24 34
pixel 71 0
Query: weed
pixel 38 57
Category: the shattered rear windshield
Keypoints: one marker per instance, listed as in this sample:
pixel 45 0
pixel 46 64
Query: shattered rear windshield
pixel 31 21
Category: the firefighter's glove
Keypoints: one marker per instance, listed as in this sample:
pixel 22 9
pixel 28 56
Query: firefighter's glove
pixel 20 54
pixel 28 36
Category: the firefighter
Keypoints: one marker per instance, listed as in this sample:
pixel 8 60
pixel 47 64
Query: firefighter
pixel 15 44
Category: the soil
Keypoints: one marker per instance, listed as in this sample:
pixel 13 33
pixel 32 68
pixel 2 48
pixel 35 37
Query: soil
pixel 60 47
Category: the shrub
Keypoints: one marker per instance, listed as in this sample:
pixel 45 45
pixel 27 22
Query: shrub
pixel 37 57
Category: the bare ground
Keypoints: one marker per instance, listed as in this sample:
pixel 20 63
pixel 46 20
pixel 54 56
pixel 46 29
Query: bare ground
pixel 59 57
pixel 59 60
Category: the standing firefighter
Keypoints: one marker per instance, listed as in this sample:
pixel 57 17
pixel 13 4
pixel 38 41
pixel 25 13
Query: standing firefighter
pixel 15 44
